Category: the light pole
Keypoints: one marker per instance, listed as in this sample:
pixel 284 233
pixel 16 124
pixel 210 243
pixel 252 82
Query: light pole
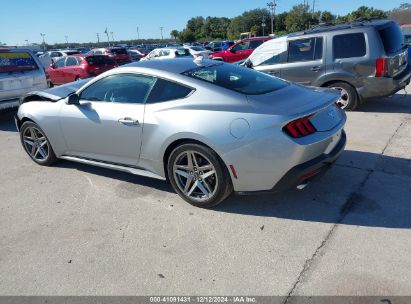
pixel 98 39
pixel 44 43
pixel 263 26
pixel 66 41
pixel 27 42
pixel 112 37
pixel 161 30
pixel 272 5
pixel 138 34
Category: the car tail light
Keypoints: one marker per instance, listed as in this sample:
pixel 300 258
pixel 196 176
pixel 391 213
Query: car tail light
pixel 381 67
pixel 300 127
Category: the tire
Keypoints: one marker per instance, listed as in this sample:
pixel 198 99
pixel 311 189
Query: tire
pixel 349 97
pixel 77 78
pixel 189 181
pixel 36 144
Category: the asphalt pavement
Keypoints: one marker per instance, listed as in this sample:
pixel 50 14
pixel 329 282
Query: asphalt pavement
pixel 72 229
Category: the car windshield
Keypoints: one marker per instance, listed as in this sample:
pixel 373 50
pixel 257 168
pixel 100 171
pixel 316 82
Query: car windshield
pixel 16 62
pixel 119 51
pixel 239 79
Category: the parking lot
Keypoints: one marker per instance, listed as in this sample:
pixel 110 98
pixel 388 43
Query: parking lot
pixel 71 229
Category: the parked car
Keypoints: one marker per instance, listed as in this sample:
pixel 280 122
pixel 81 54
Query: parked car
pixel 407 41
pixel 118 54
pixel 363 59
pixel 218 46
pixel 135 54
pixel 240 50
pixel 209 127
pixel 167 53
pixel 52 56
pixel 76 67
pixel 20 72
pixel 197 51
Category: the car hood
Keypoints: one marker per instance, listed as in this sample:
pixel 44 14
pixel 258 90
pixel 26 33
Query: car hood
pixel 54 94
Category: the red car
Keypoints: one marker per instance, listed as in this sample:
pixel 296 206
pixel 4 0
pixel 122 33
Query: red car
pixel 119 55
pixel 75 67
pixel 240 50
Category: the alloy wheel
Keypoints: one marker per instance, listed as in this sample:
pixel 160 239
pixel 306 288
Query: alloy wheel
pixel 344 100
pixel 36 144
pixel 195 175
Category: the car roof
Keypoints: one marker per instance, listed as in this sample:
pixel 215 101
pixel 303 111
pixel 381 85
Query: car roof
pixel 177 66
pixel 364 23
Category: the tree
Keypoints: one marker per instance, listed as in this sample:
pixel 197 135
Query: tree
pixel 247 21
pixel 174 34
pixel 327 17
pixel 298 18
pixel 187 36
pixel 364 12
pixel 195 26
pixel 405 6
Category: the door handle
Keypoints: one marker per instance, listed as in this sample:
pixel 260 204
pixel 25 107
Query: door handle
pixel 129 121
pixel 315 68
pixel 273 73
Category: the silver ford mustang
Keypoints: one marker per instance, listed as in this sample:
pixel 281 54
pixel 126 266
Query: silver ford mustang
pixel 208 127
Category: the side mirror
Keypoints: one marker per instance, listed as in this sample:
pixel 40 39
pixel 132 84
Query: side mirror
pixel 73 99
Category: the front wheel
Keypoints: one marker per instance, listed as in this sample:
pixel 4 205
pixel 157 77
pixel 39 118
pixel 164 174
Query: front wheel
pixel 198 176
pixel 36 144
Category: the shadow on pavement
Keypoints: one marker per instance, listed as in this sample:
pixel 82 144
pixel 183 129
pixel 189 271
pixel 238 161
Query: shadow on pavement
pixel 7 121
pixel 340 197
pixel 118 175
pixel 398 103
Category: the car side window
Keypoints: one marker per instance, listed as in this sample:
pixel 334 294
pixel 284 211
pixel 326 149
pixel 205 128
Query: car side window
pixel 60 63
pixel 71 61
pixel 349 46
pixel 305 49
pixel 55 54
pixel 241 46
pixel 120 88
pixel 165 90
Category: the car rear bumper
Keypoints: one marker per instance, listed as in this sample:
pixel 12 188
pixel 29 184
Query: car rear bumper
pixel 305 172
pixel 381 87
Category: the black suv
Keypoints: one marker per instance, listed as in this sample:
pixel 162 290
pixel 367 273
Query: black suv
pixel 363 59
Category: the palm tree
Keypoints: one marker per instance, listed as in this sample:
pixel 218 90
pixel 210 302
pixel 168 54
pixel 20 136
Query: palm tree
pixel 174 34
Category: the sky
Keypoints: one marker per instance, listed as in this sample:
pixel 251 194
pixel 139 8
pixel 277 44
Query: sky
pixel 81 20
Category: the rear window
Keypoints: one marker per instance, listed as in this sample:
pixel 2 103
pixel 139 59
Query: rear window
pixel 182 53
pixel 118 51
pixel 349 46
pixel 239 79
pixel 392 38
pixel 97 60
pixel 16 62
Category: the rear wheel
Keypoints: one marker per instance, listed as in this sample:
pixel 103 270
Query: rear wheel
pixel 198 176
pixel 36 144
pixel 349 97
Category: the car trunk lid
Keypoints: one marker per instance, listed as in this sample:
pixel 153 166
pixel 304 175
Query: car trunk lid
pixel 299 101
